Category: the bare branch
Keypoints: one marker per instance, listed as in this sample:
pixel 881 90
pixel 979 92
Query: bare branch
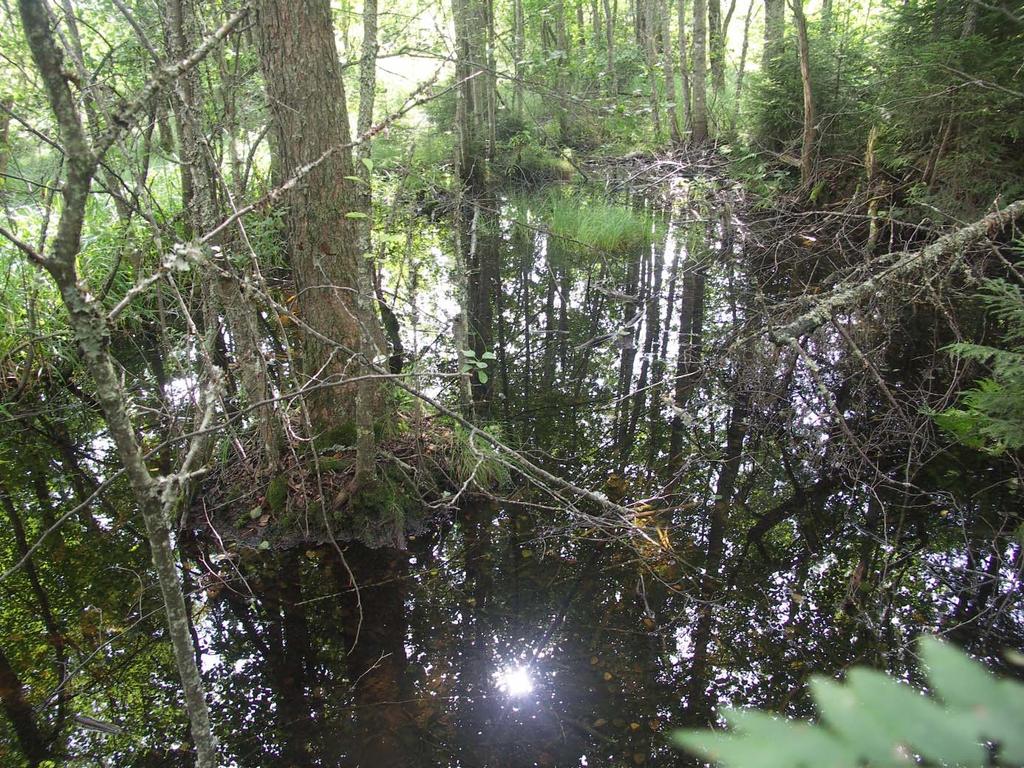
pixel 846 295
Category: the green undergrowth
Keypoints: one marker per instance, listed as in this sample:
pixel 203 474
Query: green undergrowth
pixel 473 460
pixel 590 223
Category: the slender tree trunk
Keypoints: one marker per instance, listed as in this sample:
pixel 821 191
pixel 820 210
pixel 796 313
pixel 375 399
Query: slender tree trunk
pixel 716 45
pixel 92 334
pixel 741 71
pixel 197 164
pixel 520 53
pixel 609 30
pixel 371 340
pixel 684 67
pixel 650 9
pixel 809 133
pixel 664 12
pixel 6 102
pixel 870 172
pixel 700 54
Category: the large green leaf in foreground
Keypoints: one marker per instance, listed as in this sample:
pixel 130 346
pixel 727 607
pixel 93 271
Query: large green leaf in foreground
pixel 876 721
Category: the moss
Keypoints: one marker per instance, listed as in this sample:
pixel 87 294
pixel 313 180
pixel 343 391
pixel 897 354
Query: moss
pixel 334 463
pixel 376 513
pixel 341 436
pixel 277 493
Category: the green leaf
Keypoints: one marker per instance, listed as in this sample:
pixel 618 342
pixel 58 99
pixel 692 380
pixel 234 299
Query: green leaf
pixel 356 215
pixel 847 717
pixel 482 375
pixel 798 743
pixel 875 720
pixel 995 708
pixel 468 353
pixel 488 356
pixel 913 720
pixel 368 163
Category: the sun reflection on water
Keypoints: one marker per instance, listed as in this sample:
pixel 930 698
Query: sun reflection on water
pixel 516 681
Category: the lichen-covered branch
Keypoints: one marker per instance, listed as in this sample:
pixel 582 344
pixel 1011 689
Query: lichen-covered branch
pixel 847 295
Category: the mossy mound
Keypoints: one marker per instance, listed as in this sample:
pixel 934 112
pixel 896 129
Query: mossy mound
pixel 313 497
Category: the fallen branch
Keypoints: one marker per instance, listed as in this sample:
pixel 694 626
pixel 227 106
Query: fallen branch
pixel 846 295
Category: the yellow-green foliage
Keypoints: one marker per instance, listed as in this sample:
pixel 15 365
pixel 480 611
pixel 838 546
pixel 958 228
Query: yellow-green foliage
pixel 277 493
pixel 474 458
pixel 597 225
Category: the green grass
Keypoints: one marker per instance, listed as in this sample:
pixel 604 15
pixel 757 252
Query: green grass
pixel 593 224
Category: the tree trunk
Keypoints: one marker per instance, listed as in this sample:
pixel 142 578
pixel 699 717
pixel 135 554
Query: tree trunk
pixel 18 709
pixel 700 55
pixel 197 166
pixel 809 133
pixel 309 127
pixel 664 11
pixel 609 30
pixel 742 68
pixel 519 52
pixel 650 10
pixel 684 67
pixel 6 102
pixel 92 334
pixel 716 45
pixel 369 346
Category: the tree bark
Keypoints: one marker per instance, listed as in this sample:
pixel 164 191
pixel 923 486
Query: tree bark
pixel 664 13
pixel 741 71
pixel 716 45
pixel 684 67
pixel 309 123
pixel 650 9
pixel 609 30
pixel 699 126
pixel 6 103
pixel 19 711
pixel 808 139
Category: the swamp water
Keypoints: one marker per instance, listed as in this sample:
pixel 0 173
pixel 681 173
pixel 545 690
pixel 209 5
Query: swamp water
pixel 611 344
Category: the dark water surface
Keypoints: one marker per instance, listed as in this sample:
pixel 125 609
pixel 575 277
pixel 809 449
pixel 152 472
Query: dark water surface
pixel 783 520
